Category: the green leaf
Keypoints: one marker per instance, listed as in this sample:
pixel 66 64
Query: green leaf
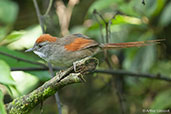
pixel 5 74
pixel 2 107
pixel 17 63
pixel 13 36
pixel 27 40
pixel 23 85
pixel 143 59
pixel 133 8
pixel 3 32
pixel 140 59
pixel 156 8
pixel 14 63
pixel 165 18
pixel 102 4
pixel 8 11
pixel 42 75
pixel 162 100
pixel 120 19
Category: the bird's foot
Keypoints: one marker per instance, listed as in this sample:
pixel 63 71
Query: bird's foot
pixel 82 78
pixel 78 65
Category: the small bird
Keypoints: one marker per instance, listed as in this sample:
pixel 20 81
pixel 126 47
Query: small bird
pixel 69 49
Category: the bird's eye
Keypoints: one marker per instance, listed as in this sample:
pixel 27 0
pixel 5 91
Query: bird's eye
pixel 40 45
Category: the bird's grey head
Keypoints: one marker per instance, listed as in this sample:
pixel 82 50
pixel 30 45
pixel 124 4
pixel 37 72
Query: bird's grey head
pixel 42 45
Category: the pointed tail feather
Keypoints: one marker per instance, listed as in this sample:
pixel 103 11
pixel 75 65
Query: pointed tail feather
pixel 131 44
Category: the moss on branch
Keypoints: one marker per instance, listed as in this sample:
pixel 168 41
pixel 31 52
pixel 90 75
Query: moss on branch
pixel 26 103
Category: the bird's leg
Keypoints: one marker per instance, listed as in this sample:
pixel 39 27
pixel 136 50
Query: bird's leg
pixel 64 73
pixel 82 67
pixel 78 67
pixel 75 65
pixel 82 78
pixel 78 63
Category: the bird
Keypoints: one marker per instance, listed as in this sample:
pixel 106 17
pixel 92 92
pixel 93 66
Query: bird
pixel 65 51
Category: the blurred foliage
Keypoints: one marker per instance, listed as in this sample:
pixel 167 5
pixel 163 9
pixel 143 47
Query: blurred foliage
pixel 8 15
pixel 5 74
pixel 20 78
pixel 2 107
pixel 137 22
pixel 161 100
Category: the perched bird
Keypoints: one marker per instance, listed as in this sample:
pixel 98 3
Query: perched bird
pixel 69 49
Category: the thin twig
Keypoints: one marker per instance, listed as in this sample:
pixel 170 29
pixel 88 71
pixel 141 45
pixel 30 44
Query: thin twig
pixel 115 72
pixel 143 2
pixel 105 22
pixel 110 22
pixel 56 94
pixel 41 22
pixel 49 7
pixel 100 25
pixel 118 80
pixel 117 85
pixel 24 60
pixel 137 75
pixel 109 25
pixel 96 12
pixel 40 17
pixel 107 32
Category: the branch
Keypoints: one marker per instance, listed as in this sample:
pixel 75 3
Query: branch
pixel 49 7
pixel 33 69
pixel 64 13
pixel 42 24
pixel 40 17
pixel 133 74
pixel 116 72
pixel 56 94
pixel 100 25
pixel 26 103
pixel 117 80
pixel 143 2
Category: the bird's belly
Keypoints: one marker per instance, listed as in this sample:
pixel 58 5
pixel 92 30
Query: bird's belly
pixel 66 58
pixel 61 61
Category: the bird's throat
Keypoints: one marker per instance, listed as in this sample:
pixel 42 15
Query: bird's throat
pixel 40 54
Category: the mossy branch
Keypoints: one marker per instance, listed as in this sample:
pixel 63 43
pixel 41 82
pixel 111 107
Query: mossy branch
pixel 26 103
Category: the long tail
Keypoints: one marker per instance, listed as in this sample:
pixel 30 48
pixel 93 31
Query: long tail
pixel 130 44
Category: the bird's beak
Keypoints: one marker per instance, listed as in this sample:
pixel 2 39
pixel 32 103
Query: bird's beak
pixel 29 50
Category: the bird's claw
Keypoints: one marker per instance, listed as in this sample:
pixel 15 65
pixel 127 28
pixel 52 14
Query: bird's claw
pixel 82 78
pixel 75 66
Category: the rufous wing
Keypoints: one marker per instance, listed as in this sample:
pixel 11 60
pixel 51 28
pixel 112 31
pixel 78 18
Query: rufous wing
pixel 80 43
